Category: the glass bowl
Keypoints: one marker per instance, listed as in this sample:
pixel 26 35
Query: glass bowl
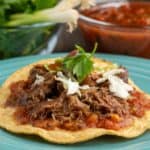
pixel 116 39
pixel 25 40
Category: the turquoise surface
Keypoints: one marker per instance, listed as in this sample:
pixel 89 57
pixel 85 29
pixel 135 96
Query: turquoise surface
pixel 139 70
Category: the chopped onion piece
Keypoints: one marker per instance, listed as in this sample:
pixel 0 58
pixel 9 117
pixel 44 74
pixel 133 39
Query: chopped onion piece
pixel 72 87
pixel 113 72
pixel 39 79
pixel 116 85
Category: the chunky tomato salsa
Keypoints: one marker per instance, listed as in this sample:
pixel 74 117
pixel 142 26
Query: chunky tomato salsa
pixel 133 14
pixel 42 101
pixel 121 27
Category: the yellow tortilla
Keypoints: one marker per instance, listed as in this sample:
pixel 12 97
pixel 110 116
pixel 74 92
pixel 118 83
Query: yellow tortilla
pixel 60 136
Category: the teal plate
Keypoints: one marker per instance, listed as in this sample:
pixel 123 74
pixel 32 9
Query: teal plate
pixel 139 70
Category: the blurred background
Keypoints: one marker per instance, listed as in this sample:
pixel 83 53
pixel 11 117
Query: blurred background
pixel 49 37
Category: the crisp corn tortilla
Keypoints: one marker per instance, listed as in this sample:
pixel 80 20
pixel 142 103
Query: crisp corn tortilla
pixel 139 126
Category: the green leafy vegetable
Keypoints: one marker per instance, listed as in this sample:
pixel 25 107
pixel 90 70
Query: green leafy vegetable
pixel 25 12
pixel 80 65
pixel 47 67
pixel 42 4
pixel 10 7
pixel 31 40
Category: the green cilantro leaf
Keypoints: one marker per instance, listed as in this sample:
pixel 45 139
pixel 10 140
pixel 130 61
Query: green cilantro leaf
pixel 80 65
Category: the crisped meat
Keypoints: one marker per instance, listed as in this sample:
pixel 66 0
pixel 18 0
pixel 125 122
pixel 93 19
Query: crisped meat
pixel 44 110
pixel 75 103
pixel 61 108
pixel 103 102
pixel 47 104
pixel 91 79
pixel 27 93
pixel 124 75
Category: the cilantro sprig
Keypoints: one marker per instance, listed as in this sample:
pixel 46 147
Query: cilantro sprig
pixel 80 65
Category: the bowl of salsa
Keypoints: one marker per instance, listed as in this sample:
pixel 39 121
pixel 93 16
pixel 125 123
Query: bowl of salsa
pixel 121 27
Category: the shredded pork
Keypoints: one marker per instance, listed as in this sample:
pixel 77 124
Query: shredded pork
pixel 48 100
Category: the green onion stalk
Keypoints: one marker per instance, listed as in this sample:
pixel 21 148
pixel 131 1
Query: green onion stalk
pixel 61 13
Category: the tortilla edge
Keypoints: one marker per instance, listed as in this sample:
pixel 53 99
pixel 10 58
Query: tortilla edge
pixel 139 126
